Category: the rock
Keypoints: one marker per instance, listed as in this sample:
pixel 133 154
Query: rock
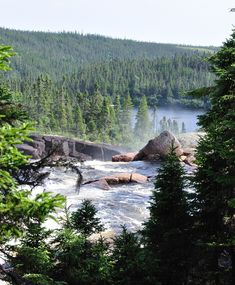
pixel 183 157
pixel 42 145
pixel 190 159
pixel 108 235
pixel 188 151
pixel 161 146
pixel 190 140
pixel 120 178
pixel 39 145
pixel 138 178
pixel 29 150
pixel 102 183
pixel 125 157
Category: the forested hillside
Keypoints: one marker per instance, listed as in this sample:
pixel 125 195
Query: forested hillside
pixel 87 85
pixel 189 235
pixel 64 53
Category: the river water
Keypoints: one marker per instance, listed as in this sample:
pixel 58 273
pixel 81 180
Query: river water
pixel 121 205
pixel 187 116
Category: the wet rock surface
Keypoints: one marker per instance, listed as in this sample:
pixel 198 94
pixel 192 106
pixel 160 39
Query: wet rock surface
pixel 185 147
pixel 120 178
pixel 125 157
pixel 42 145
pixel 161 146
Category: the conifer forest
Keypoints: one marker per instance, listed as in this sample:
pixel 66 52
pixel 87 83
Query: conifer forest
pixel 85 87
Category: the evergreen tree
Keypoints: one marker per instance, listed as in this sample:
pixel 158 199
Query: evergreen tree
pixel 78 259
pixel 117 123
pixel 143 125
pixel 128 260
pixel 183 128
pixel 167 232
pixel 104 121
pixel 79 123
pixel 18 209
pixel 126 120
pixel 163 124
pixel 62 112
pixel 175 127
pixel 215 175
pixel 84 220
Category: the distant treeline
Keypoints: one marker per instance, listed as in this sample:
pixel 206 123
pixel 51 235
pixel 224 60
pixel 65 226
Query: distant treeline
pixel 87 85
pixel 64 53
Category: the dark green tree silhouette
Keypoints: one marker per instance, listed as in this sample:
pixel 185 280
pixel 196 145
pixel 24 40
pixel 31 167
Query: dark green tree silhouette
pixel 167 232
pixel 84 219
pixel 128 258
pixel 215 175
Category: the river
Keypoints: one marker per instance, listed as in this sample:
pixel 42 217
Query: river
pixel 121 205
pixel 180 115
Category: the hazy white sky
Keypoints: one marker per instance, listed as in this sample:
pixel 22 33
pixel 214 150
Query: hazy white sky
pixel 202 22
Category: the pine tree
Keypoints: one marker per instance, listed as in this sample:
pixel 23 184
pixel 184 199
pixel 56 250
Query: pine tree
pixel 117 123
pixel 18 208
pixel 167 232
pixel 183 128
pixel 79 123
pixel 143 125
pixel 175 127
pixel 62 112
pixel 163 124
pixel 128 260
pixel 84 220
pixel 215 176
pixel 126 120
pixel 104 121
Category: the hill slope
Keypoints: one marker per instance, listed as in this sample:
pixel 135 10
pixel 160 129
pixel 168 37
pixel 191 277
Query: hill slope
pixel 86 85
pixel 64 53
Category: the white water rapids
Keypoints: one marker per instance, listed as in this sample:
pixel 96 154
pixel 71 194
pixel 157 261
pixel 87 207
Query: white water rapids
pixel 124 204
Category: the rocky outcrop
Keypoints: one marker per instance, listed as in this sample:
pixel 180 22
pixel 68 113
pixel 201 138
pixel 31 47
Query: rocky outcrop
pixel 120 178
pixel 125 157
pixel 160 147
pixel 125 178
pixel 42 145
pixel 189 141
pixel 185 146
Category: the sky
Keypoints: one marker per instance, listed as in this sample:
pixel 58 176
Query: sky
pixel 195 22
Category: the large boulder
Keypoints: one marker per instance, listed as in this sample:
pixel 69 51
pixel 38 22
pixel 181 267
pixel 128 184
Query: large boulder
pixel 160 146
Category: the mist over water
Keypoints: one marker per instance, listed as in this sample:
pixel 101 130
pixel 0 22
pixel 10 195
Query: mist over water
pixel 180 115
pixel 125 204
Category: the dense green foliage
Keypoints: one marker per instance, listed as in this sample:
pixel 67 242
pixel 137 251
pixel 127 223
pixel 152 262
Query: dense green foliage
pixel 64 53
pixel 188 239
pixel 18 209
pixel 70 82
pixel 215 176
pixel 92 103
pixel 167 232
pixel 129 260
pixel 85 221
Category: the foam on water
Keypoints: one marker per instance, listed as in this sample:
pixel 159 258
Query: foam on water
pixel 121 205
